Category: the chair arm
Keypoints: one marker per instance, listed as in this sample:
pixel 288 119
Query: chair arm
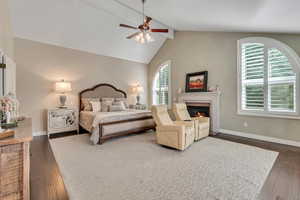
pixel 168 128
pixel 184 123
pixel 201 119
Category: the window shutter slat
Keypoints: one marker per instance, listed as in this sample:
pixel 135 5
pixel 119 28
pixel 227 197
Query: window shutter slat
pixel 162 84
pixel 268 83
pixel 252 76
pixel 282 81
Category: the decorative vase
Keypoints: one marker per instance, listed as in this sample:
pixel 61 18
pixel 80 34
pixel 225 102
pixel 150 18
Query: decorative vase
pixel 9 109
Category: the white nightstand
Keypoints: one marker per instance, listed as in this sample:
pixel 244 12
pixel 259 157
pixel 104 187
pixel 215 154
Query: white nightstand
pixel 62 120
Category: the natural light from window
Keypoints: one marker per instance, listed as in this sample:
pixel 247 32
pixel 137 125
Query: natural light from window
pixel 268 78
pixel 161 85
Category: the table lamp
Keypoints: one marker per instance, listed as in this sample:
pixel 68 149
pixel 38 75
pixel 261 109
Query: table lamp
pixel 139 89
pixel 63 87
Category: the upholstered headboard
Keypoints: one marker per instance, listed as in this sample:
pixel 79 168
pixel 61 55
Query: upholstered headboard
pixel 102 90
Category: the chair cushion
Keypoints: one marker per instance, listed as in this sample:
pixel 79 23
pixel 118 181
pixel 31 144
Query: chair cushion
pixel 161 115
pixel 180 111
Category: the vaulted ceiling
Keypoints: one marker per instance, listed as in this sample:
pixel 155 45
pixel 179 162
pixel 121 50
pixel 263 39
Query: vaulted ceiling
pixel 92 25
pixel 87 25
pixel 225 15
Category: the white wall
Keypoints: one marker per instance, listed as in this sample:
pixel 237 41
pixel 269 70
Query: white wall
pixel 7 46
pixel 217 53
pixel 6 35
pixel 41 65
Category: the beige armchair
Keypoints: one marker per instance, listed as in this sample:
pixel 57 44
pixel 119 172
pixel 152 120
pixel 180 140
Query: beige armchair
pixel 178 135
pixel 201 124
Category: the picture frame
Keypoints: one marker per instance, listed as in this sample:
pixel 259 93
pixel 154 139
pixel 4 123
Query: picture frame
pixel 196 82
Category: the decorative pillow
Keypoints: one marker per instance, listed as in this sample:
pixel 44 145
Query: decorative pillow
pixel 105 105
pixel 114 108
pixel 120 104
pixel 96 106
pixel 124 100
pixel 86 105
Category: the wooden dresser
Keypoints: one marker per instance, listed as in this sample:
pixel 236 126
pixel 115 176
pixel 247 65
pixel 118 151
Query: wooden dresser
pixel 15 163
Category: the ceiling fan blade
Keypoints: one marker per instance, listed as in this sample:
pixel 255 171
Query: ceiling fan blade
pixel 147 20
pixel 160 30
pixel 128 26
pixel 133 35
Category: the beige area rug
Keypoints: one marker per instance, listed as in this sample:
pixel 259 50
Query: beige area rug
pixel 135 168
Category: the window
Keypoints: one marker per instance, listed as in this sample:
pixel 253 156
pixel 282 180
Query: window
pixel 268 78
pixel 161 85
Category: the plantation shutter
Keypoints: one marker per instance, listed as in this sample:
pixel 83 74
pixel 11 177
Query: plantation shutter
pixel 268 82
pixel 162 84
pixel 253 72
pixel 282 82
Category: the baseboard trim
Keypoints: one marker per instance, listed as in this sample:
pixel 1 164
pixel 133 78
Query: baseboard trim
pixel 260 137
pixel 39 133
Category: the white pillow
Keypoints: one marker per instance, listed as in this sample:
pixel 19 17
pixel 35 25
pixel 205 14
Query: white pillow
pixel 124 100
pixel 114 108
pixel 96 106
pixel 105 105
pixel 121 104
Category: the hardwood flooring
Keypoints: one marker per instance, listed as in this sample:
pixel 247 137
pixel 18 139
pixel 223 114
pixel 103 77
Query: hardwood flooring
pixel 46 182
pixel 283 182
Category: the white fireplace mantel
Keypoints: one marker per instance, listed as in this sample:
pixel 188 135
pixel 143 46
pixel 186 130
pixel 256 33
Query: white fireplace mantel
pixel 213 98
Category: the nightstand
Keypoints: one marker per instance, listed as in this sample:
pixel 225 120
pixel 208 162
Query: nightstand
pixel 138 107
pixel 62 120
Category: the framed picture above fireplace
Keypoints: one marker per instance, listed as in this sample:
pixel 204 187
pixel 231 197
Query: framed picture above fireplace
pixel 196 82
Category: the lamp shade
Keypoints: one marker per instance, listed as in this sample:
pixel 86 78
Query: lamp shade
pixel 63 87
pixel 137 89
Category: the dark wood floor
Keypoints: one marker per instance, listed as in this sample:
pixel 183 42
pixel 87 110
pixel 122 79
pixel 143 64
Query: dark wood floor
pixel 283 182
pixel 46 182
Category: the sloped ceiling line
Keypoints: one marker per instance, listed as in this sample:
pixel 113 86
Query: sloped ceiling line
pixel 86 25
pixel 126 14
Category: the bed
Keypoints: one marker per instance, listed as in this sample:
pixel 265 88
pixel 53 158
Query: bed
pixel 106 125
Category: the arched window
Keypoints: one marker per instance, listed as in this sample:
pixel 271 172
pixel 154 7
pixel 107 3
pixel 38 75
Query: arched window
pixel 161 85
pixel 268 78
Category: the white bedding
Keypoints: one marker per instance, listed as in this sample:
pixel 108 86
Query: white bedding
pixel 91 120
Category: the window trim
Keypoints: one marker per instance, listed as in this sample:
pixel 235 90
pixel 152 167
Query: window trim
pixel 168 62
pixel 293 58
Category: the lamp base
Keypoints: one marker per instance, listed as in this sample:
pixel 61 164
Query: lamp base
pixel 62 99
pixel 138 98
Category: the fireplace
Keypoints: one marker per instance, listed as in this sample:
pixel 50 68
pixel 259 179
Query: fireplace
pixel 198 109
pixel 206 103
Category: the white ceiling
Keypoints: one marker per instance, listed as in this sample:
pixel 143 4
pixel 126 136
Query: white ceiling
pixel 225 15
pixel 87 25
pixel 93 25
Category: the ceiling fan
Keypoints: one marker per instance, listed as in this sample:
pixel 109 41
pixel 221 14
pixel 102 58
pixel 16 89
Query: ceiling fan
pixel 143 35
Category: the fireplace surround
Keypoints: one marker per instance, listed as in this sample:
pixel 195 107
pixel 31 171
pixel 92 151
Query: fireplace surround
pixel 211 99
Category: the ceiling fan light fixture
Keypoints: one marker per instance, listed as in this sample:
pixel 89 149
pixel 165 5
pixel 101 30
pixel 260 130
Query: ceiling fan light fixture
pixel 142 40
pixel 138 37
pixel 148 37
pixel 143 37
